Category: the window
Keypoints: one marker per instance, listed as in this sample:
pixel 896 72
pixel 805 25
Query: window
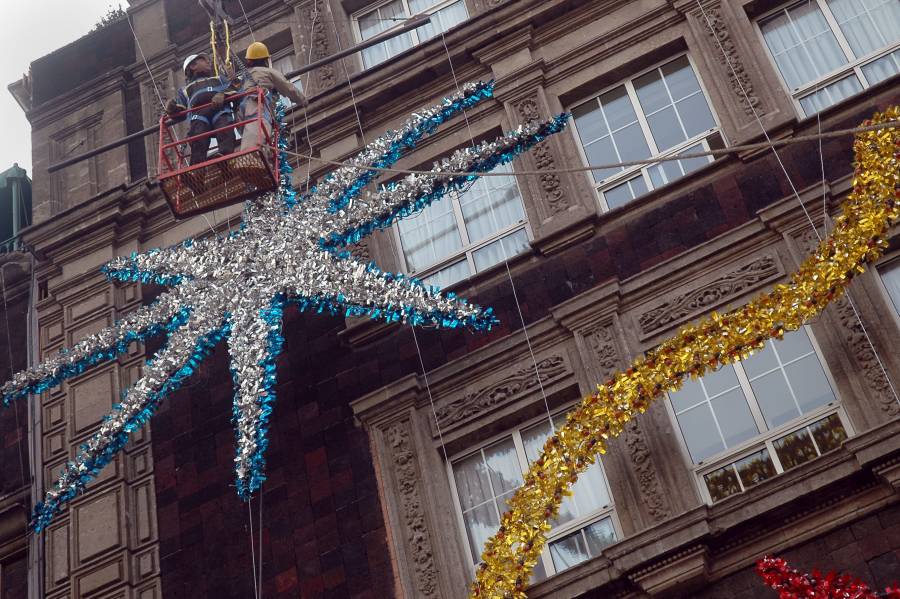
pixel 388 15
pixel 828 50
pixel 781 392
pixel 465 233
pixel 485 479
pixel 890 276
pixel 663 112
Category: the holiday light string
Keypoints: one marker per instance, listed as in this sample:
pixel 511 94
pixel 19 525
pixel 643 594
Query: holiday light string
pixel 289 250
pixel 857 238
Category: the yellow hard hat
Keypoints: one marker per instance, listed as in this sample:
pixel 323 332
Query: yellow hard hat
pixel 257 50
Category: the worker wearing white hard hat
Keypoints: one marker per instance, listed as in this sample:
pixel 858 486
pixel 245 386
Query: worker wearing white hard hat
pixel 202 88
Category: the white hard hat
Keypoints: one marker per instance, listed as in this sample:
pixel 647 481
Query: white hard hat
pixel 189 60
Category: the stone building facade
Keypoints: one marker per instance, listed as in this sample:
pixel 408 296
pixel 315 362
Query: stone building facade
pixel 382 480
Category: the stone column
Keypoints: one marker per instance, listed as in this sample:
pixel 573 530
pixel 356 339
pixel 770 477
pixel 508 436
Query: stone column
pixel 746 85
pixel 313 40
pixel 554 201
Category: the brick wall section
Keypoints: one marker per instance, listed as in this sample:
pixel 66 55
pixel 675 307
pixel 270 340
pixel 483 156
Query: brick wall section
pixel 868 549
pixel 324 531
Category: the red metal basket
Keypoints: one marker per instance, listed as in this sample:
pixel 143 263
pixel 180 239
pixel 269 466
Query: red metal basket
pixel 222 180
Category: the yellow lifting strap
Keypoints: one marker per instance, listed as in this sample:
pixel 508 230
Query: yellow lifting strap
pixel 212 43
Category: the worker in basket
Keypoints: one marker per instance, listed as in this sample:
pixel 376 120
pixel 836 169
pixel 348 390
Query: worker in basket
pixel 204 88
pixel 261 75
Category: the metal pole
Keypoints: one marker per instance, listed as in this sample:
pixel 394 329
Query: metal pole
pixel 409 25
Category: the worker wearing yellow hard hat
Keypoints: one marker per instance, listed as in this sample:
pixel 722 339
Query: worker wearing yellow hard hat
pixel 260 74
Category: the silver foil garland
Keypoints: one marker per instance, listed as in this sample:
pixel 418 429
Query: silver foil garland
pixel 289 250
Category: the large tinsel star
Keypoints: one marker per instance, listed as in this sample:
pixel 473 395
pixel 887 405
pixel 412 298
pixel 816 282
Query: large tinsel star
pixel 289 249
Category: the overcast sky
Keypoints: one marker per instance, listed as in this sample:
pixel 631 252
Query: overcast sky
pixel 31 29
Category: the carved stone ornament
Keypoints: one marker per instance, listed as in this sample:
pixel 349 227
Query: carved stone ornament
pixel 551 186
pixel 698 300
pixel 862 351
pixel 412 512
pixel 602 343
pixel 319 42
pixel 730 59
pixel 481 401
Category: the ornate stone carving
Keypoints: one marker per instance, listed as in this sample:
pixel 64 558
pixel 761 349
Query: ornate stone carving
pixel 481 401
pixel 412 512
pixel 730 59
pixel 603 345
pixel 697 300
pixel 861 349
pixel 319 42
pixel 551 186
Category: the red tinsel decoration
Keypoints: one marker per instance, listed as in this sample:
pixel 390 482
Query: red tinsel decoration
pixel 793 584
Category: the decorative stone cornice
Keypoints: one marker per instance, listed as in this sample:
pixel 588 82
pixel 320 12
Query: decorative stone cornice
pixel 502 392
pixel 719 291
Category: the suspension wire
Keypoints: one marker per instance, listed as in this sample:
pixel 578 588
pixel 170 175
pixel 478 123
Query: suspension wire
pixel 249 26
pixel 337 37
pixel 259 594
pixel 252 546
pixel 799 200
pixel 312 25
pixel 537 372
pixel 592 167
pixel 146 63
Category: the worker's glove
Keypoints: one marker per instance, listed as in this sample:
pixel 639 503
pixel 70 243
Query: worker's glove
pixel 218 101
pixel 172 107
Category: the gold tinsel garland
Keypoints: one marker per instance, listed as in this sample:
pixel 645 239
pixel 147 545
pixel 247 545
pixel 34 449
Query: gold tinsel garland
pixel 872 207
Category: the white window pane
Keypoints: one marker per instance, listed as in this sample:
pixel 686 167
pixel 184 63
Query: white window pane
pixel 830 95
pixel 695 115
pixel 690 394
pixel 680 78
pixel 809 383
pixel 491 204
pixel 590 122
pixel 700 433
pixel 774 399
pixel 891 279
pixel 666 129
pixel 417 6
pixel 735 420
pixel 883 68
pixel 500 250
pixel 569 551
pixel 503 466
pixel 867 25
pixel 617 108
pixel 430 235
pixel 795 344
pixel 802 44
pixel 618 196
pixel 481 523
pixel 602 152
pixel 472 483
pixel 651 92
pixel 441 20
pixel 761 362
pixel 689 165
pixel 600 535
pixel 449 275
pixel 719 381
pixel 631 144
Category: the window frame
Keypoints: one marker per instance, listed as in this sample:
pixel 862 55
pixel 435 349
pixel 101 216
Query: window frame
pixel 629 173
pixel 414 34
pixel 467 249
pixel 853 66
pixel 763 439
pixel 546 560
pixel 890 263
